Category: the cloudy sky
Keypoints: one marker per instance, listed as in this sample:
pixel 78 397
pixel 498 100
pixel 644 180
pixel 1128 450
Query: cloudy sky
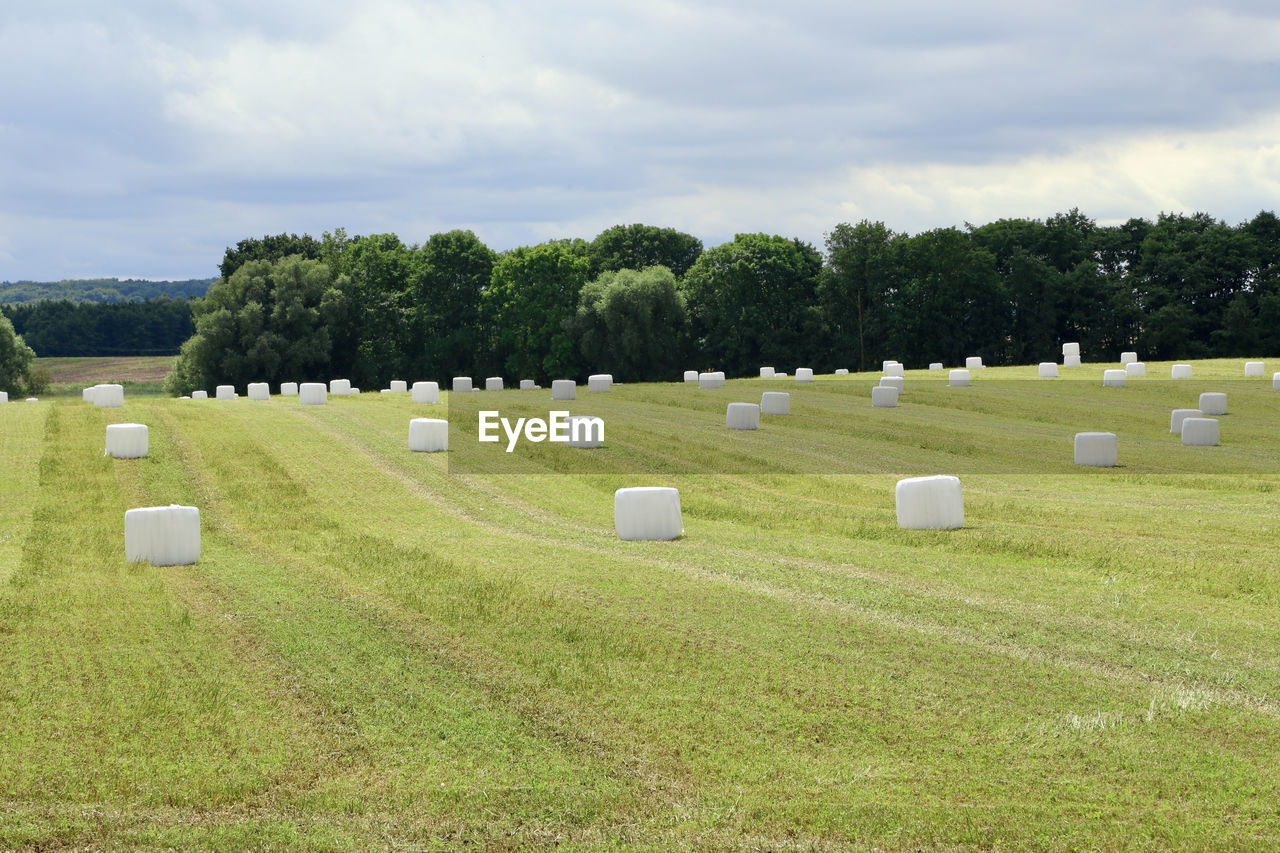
pixel 141 138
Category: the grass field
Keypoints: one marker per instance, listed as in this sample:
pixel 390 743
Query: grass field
pixel 379 650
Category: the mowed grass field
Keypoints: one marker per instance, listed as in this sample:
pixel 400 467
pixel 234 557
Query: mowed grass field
pixel 378 652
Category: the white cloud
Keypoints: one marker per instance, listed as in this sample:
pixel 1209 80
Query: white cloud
pixel 162 131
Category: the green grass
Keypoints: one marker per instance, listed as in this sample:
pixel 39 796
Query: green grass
pixel 381 650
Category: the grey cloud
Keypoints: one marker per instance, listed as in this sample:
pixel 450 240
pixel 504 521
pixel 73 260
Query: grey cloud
pixel 650 101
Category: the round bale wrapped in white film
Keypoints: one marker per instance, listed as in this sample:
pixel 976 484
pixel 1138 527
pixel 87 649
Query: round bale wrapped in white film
pixel 647 513
pixel 930 503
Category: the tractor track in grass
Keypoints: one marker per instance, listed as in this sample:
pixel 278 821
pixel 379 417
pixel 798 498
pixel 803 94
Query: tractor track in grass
pixel 491 676
pixel 540 519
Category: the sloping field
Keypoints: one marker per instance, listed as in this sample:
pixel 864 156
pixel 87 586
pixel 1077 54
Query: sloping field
pixel 378 652
pixel 137 371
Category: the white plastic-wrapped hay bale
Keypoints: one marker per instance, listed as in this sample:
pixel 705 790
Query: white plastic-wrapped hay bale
pixel 108 396
pixel 1047 370
pixel 1072 348
pixel 126 441
pixel 1180 371
pixel 742 416
pixel 896 382
pixel 4 396
pixel 1213 403
pixel 958 378
pixel 1126 357
pixel 775 403
pixel 426 392
pixel 895 369
pixel 384 390
pixel 1177 416
pixel 713 379
pixel 1135 368
pixel 586 432
pixel 563 389
pixel 973 362
pixel 647 513
pixel 526 385
pixel 428 435
pixel 340 387
pixel 259 391
pixel 930 503
pixel 1097 449
pixel 1255 368
pixel 462 384
pixel 288 389
pixel 399 386
pixel 493 383
pixel 199 395
pixel 313 394
pixel 691 376
pixel 162 535
pixel 765 373
pixel 936 365
pixel 842 371
pixel 86 395
pixel 1200 432
pixel 354 391
pixel 599 381
pixel 887 363
pixel 1071 361
pixel 33 399
pixel 1275 382
pixel 804 374
pixel 1113 378
pixel 224 392
pixel 884 396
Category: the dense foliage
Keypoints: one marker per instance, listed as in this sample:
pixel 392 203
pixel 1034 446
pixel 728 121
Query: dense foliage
pixel 15 361
pixel 269 322
pixel 64 328
pixel 101 290
pixel 644 302
pixel 633 323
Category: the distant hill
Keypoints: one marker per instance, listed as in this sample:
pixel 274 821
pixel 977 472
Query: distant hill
pixel 101 290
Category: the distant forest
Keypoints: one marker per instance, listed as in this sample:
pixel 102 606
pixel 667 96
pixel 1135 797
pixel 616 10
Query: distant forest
pixel 64 328
pixel 644 302
pixel 100 290
pixel 102 316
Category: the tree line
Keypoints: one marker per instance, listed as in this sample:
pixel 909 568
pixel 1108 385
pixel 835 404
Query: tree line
pixel 644 302
pixel 100 290
pixel 65 328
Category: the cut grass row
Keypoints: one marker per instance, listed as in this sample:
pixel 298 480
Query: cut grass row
pixel 374 651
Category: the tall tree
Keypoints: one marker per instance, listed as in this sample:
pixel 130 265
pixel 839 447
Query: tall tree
pixel 531 297
pixel 857 286
pixel 638 246
pixel 953 303
pixel 452 272
pixel 271 247
pixel 376 346
pixel 15 359
pixel 753 301
pixel 270 322
pixel 632 324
